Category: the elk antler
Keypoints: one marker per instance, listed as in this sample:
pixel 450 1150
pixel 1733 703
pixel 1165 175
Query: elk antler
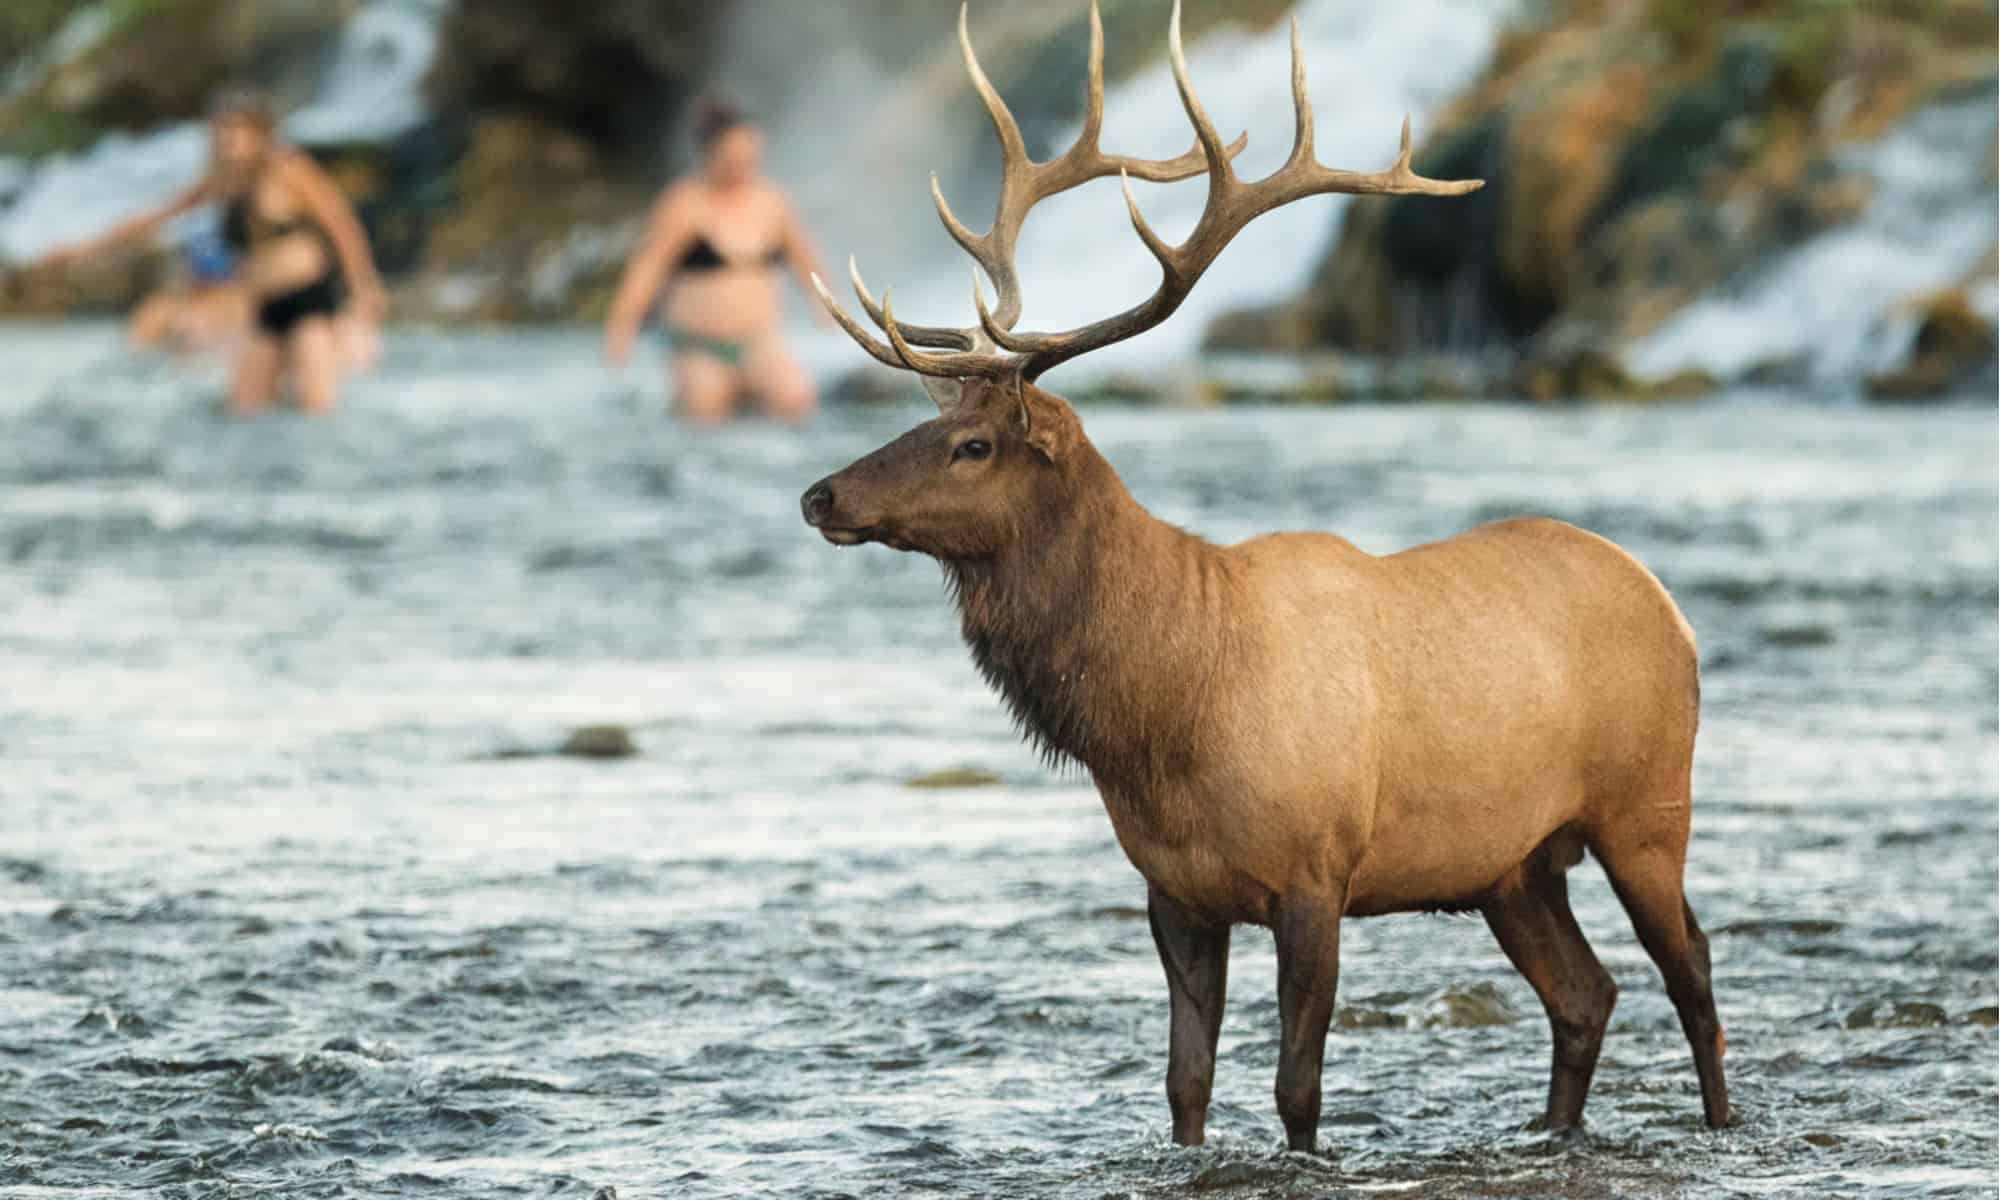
pixel 1023 184
pixel 993 350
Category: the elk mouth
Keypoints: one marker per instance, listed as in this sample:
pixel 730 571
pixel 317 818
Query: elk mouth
pixel 855 535
pixel 840 536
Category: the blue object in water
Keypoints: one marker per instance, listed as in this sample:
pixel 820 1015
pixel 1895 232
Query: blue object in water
pixel 208 257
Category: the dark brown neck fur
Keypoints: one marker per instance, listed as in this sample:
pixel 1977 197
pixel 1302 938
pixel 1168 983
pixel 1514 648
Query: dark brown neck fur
pixel 1103 628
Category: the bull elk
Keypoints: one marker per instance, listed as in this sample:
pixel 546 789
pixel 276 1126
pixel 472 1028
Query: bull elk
pixel 1290 731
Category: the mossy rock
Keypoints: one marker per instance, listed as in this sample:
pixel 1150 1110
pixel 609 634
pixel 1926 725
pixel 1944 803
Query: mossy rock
pixel 1896 1014
pixel 600 741
pixel 1635 156
pixel 952 778
pixel 26 24
pixel 162 60
pixel 1953 351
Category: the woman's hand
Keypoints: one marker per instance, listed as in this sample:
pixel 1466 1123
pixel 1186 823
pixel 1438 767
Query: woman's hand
pixel 618 341
pixel 370 302
pixel 59 259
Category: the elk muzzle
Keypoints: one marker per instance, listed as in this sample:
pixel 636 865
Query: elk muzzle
pixel 817 506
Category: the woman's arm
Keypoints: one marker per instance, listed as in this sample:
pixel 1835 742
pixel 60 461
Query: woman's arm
pixel 330 209
pixel 803 257
pixel 130 228
pixel 668 233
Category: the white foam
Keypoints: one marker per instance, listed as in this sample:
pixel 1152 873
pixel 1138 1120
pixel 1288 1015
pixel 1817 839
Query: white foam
pixel 374 90
pixel 1840 301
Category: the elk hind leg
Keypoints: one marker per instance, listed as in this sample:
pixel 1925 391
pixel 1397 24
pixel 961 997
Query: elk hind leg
pixel 1531 919
pixel 1646 875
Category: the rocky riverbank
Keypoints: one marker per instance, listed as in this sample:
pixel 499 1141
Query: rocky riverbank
pixel 1642 158
pixel 547 125
pixel 1639 157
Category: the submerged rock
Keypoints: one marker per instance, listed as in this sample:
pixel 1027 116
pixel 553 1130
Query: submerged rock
pixel 1798 634
pixel 1899 1014
pixel 599 741
pixel 1988 1016
pixel 1366 1018
pixel 1471 1007
pixel 953 777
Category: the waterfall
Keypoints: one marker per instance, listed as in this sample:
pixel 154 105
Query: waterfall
pixel 1366 64
pixel 74 196
pixel 374 90
pixel 370 92
pixel 1839 302
pixel 78 33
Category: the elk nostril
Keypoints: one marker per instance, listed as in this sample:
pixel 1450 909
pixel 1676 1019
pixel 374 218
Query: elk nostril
pixel 817 502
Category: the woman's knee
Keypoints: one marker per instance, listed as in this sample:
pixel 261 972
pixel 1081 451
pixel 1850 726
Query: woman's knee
pixel 793 402
pixel 787 391
pixel 703 392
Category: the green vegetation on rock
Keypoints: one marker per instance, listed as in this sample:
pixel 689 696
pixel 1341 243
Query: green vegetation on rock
pixel 1635 155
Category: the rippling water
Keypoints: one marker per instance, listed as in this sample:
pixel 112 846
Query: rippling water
pixel 290 905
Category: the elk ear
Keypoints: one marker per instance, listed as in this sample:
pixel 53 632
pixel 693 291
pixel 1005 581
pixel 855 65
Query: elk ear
pixel 1047 422
pixel 947 394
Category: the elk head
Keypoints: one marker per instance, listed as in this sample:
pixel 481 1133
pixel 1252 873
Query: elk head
pixel 957 487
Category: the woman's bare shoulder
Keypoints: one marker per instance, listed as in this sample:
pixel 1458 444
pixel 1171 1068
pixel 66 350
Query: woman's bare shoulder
pixel 292 162
pixel 682 195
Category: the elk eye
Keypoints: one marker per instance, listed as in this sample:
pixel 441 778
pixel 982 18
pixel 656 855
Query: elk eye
pixel 973 448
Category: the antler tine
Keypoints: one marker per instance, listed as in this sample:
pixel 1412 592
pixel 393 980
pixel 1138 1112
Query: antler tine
pixel 885 355
pixel 1399 179
pixel 950 366
pixel 1154 241
pixel 1025 183
pixel 921 335
pixel 1302 108
pixel 1001 336
pixel 1219 170
pixel 1004 125
pixel 991 349
pixel 1093 103
pixel 1231 205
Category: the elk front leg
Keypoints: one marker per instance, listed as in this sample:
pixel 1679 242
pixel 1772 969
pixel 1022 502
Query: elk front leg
pixel 1308 934
pixel 1196 958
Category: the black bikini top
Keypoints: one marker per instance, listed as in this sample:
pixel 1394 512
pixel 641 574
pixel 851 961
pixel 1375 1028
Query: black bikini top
pixel 701 256
pixel 242 228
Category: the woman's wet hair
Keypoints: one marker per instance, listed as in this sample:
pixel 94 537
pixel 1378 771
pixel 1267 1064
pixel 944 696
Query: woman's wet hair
pixel 715 116
pixel 242 102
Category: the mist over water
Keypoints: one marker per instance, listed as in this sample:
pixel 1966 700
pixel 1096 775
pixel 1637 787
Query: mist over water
pixel 293 903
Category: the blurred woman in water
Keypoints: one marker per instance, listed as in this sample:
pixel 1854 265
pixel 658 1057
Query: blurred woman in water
pixel 205 311
pixel 719 237
pixel 295 239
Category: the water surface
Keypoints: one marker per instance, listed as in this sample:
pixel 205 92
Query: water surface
pixel 284 911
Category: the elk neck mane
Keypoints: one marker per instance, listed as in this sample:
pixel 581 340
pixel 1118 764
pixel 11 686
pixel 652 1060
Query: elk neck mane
pixel 1104 628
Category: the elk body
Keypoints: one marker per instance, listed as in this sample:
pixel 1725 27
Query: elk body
pixel 1290 731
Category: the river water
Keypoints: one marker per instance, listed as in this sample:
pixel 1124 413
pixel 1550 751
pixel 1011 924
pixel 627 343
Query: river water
pixel 291 904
